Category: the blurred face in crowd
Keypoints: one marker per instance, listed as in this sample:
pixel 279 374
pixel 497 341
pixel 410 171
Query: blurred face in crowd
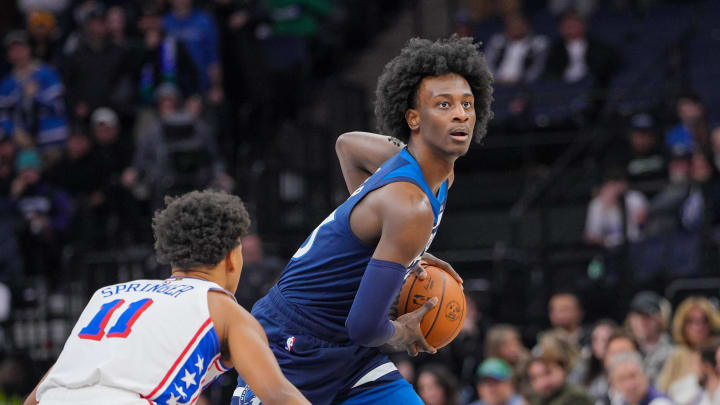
pixel 689 110
pixel 642 140
pixel 617 346
pixel 96 27
pixel 565 312
pixel 181 6
pixel 645 327
pixel 116 20
pixel 407 370
pixel 679 170
pixel 516 27
pixel 715 137
pixel 546 378
pixel 105 133
pixel 572 27
pixel 511 348
pixel 167 105
pixel 701 170
pixel 696 328
pixel 629 379
pixel 599 339
pixel 78 146
pixel 19 54
pixel 430 390
pixel 30 175
pixel 494 392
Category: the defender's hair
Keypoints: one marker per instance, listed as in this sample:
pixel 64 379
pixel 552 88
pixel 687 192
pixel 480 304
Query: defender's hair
pixel 397 86
pixel 199 229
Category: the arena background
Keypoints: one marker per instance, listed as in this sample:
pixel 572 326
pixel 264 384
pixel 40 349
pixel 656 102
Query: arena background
pixel 133 98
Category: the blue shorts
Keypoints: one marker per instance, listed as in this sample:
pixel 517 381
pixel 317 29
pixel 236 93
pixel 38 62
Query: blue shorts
pixel 326 372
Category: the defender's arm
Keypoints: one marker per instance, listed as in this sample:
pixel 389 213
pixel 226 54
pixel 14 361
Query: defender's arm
pixel 249 351
pixel 361 153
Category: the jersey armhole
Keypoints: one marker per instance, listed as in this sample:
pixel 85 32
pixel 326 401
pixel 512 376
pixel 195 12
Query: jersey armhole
pixel 381 184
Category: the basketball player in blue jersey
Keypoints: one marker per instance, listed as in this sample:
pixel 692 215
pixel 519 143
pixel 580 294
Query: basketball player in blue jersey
pixel 327 317
pixel 163 341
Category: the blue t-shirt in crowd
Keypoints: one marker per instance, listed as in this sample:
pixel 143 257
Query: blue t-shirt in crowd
pixel 198 32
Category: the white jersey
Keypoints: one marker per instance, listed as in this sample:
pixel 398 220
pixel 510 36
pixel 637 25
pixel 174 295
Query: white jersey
pixel 144 342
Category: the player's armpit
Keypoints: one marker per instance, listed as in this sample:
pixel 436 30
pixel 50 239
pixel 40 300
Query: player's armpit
pixel 254 361
pixel 362 153
pixel 32 398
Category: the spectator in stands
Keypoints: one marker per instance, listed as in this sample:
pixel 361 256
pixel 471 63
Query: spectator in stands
pixel 175 153
pixel 595 379
pixel 696 319
pixel 583 7
pixel 646 162
pixel 196 29
pixel 647 321
pixel 672 210
pixel 10 258
pixel 117 26
pixel 437 386
pixel 547 371
pixel 503 342
pixel 558 340
pixel 115 150
pixel 616 214
pixel 161 58
pixel 566 314
pixel 44 36
pixel 46 212
pixel 516 55
pixel 576 55
pixel 691 133
pixel 619 342
pixel 495 384
pixel 628 377
pixel 710 371
pixel 93 70
pixel 715 144
pixel 260 271
pixel 31 100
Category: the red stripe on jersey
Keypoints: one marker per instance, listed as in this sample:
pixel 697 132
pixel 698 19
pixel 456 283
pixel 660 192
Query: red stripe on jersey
pixel 169 373
pixel 131 321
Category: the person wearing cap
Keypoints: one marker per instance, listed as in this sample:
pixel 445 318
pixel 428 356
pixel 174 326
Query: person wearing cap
pixel 495 384
pixel 628 378
pixel 31 98
pixel 645 162
pixel 46 211
pixel 44 36
pixel 648 321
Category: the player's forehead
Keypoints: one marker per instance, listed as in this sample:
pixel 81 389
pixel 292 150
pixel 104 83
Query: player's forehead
pixel 450 84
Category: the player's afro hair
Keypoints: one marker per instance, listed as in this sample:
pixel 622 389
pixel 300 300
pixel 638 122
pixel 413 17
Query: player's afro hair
pixel 199 229
pixel 398 84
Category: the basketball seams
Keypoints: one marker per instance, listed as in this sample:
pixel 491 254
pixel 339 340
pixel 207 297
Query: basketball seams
pixel 439 306
pixel 410 290
pixel 453 335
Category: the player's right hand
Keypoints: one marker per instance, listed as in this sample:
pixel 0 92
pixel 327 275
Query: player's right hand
pixel 408 335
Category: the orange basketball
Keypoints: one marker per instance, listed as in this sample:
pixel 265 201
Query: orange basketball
pixel 442 323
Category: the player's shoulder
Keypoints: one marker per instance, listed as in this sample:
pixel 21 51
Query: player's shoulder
pixel 222 305
pixel 404 202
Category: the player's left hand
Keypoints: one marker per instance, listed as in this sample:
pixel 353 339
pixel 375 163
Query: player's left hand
pixel 428 259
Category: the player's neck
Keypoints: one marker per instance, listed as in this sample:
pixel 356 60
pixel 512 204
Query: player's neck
pixel 203 275
pixel 436 167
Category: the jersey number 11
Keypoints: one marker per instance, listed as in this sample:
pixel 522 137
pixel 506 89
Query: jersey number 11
pixel 95 330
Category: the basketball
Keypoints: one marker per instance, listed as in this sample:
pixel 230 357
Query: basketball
pixel 442 323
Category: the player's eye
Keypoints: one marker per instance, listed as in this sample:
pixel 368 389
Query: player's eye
pixel 443 104
pixel 467 104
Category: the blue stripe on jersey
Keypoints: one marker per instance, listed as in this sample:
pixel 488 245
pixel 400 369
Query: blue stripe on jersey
pixel 189 376
pixel 323 276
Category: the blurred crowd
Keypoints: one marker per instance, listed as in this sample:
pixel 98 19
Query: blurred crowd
pixel 657 356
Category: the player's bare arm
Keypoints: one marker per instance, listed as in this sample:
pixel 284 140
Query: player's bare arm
pixel 399 219
pixel 247 344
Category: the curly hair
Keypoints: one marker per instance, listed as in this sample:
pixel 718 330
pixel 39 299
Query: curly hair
pixel 199 228
pixel 397 86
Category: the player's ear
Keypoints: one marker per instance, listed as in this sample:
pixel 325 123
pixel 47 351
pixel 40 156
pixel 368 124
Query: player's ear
pixel 234 259
pixel 412 116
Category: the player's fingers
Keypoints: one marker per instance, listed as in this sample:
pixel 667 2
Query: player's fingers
pixel 421 273
pixel 412 349
pixel 428 305
pixel 425 346
pixel 434 261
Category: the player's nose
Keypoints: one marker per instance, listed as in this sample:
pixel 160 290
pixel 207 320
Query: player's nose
pixel 460 114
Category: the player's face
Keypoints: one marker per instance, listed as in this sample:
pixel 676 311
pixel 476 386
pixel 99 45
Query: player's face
pixel 445 116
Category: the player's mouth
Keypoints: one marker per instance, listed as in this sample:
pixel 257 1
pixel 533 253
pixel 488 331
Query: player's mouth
pixel 460 134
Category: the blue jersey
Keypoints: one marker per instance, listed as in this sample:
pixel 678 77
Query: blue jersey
pixel 323 276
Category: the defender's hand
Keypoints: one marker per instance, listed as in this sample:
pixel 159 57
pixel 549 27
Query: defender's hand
pixel 408 334
pixel 428 259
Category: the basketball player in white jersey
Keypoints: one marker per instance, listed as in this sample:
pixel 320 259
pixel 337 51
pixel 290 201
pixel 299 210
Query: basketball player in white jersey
pixel 164 341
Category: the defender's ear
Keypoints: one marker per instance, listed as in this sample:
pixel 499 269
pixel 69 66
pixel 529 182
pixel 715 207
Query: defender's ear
pixel 413 119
